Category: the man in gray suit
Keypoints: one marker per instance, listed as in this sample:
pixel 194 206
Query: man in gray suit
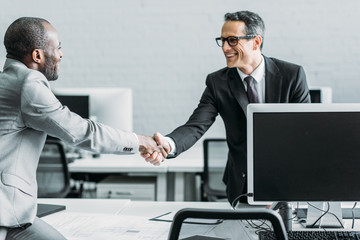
pixel 228 93
pixel 28 112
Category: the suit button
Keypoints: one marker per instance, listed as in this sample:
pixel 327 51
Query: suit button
pixel 126 149
pixel 243 174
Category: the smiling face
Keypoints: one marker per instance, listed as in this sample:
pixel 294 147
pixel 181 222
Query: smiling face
pixel 52 53
pixel 246 55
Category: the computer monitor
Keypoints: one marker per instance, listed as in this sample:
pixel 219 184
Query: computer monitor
pixel 303 152
pixel 76 103
pixel 110 106
pixel 320 94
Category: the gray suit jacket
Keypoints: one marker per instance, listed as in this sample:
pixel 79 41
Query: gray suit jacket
pixel 225 95
pixel 28 112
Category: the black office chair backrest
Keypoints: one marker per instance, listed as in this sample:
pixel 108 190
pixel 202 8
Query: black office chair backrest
pixel 52 174
pixel 215 157
pixel 228 214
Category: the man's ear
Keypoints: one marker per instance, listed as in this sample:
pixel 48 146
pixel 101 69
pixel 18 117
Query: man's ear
pixel 257 42
pixel 37 56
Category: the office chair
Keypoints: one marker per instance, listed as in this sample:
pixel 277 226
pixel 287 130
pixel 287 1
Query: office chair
pixel 215 157
pixel 227 214
pixel 52 174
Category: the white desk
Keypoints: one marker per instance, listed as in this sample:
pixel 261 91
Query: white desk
pixel 127 207
pixel 188 163
pixel 126 210
pixel 114 211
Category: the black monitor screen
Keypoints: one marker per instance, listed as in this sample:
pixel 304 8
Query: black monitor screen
pixel 306 156
pixel 315 95
pixel 76 103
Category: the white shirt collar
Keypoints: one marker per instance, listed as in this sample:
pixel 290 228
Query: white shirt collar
pixel 257 74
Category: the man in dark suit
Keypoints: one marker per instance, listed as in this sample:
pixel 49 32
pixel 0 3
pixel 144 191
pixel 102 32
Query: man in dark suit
pixel 228 93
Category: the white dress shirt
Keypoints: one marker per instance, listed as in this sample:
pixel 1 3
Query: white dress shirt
pixel 259 75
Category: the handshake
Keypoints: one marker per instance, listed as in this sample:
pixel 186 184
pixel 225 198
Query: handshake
pixel 154 149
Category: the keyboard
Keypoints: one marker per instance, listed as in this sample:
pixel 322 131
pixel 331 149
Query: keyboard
pixel 311 235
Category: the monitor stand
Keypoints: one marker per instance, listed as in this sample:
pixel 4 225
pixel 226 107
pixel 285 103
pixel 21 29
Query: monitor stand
pixel 314 213
pixel 285 212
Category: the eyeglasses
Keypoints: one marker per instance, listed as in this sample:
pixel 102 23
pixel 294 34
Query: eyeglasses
pixel 232 41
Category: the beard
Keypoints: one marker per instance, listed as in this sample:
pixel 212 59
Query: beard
pixel 49 69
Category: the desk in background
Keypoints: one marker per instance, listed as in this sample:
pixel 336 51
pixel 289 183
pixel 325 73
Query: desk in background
pixel 171 176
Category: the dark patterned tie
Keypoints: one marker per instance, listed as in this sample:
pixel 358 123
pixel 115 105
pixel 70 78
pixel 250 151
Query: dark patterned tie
pixel 251 92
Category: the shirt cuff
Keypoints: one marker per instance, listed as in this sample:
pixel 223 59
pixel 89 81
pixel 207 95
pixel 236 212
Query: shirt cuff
pixel 137 145
pixel 172 145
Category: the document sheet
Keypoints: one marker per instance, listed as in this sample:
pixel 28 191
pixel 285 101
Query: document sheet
pixel 81 226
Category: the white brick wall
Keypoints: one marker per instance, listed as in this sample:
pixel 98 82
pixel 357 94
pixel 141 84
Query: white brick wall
pixel 164 49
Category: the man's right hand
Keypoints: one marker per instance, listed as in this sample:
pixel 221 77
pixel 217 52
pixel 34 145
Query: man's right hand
pixel 161 141
pixel 151 151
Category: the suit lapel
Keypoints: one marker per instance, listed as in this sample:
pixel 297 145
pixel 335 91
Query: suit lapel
pixel 237 89
pixel 273 80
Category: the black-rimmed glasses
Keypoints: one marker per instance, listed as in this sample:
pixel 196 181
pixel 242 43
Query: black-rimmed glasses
pixel 232 41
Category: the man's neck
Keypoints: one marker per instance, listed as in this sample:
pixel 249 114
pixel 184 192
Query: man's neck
pixel 25 60
pixel 249 68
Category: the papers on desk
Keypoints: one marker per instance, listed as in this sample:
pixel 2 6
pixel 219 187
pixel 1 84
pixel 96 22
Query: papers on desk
pixel 81 226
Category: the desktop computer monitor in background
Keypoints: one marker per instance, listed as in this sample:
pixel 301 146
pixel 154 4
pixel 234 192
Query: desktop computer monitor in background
pixel 320 94
pixel 110 106
pixel 76 103
pixel 303 152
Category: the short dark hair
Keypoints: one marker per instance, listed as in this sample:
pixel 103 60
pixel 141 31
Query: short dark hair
pixel 253 22
pixel 24 35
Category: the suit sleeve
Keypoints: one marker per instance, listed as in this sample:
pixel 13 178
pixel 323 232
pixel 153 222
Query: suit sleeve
pixel 300 91
pixel 42 111
pixel 199 122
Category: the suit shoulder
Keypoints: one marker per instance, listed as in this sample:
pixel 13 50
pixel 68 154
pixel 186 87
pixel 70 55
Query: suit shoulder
pixel 31 76
pixel 281 64
pixel 220 75
pixel 34 75
pixel 18 70
pixel 220 72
